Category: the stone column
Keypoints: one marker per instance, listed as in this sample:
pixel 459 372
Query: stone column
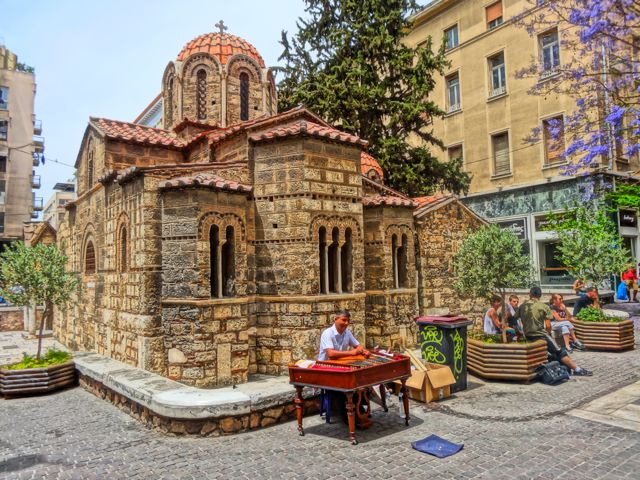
pixel 325 266
pixel 219 270
pixel 338 268
pixel 223 101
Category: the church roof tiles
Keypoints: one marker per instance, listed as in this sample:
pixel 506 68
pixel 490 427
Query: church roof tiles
pixel 304 127
pixel 131 132
pixel 206 180
pixel 386 200
pixel 222 46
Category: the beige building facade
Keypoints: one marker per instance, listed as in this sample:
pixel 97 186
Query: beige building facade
pixel 20 147
pixel 491 118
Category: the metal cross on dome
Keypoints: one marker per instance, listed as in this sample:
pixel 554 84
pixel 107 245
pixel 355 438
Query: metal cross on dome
pixel 221 26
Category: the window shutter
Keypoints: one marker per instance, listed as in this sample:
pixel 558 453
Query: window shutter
pixel 501 154
pixel 494 11
pixel 554 147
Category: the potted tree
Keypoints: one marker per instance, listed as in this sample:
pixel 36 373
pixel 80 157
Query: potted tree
pixel 489 263
pixel 28 276
pixel 593 251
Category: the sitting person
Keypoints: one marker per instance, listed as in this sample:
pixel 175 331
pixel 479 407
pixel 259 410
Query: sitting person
pixel 536 320
pixel 337 341
pixel 513 314
pixel 579 287
pixel 590 299
pixel 630 278
pixel 562 321
pixel 492 322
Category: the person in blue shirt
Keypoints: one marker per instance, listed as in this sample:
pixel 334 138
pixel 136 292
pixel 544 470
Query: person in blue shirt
pixel 589 300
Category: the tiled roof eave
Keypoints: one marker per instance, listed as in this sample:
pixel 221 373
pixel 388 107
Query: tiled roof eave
pixel 329 138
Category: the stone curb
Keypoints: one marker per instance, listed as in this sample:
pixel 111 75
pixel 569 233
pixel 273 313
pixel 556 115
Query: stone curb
pixel 174 400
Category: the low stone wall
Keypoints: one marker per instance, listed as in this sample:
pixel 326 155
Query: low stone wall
pixel 11 319
pixel 203 427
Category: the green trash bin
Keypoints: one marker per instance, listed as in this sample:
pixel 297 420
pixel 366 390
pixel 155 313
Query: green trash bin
pixel 443 340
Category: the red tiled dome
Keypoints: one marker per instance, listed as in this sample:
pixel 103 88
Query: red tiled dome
pixel 222 46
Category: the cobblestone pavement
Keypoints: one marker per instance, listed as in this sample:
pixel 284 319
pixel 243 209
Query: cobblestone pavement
pixel 510 431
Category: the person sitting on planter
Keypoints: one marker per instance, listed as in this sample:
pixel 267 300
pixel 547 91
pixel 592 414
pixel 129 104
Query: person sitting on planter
pixel 536 319
pixel 562 321
pixel 492 323
pixel 589 300
pixel 513 314
pixel 580 287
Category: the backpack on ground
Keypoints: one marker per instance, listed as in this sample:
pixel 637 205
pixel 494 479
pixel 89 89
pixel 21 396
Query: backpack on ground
pixel 552 373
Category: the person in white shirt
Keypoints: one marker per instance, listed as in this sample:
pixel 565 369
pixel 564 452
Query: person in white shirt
pixel 337 341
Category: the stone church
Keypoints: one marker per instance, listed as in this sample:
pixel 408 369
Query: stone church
pixel 220 245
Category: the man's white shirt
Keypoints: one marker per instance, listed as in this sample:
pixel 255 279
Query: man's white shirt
pixel 331 339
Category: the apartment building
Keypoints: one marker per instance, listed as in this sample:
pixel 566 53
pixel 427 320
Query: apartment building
pixel 63 193
pixel 490 115
pixel 21 147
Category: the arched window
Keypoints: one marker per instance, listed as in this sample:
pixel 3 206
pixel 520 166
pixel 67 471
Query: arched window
pixel 123 260
pixel 228 263
pixel 402 262
pixel 169 107
pixel 334 262
pixel 346 261
pixel 394 259
pixel 89 258
pixel 324 272
pixel 244 96
pixel 201 94
pixel 214 257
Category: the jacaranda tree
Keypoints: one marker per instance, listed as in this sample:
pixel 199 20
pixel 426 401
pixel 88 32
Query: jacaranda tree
pixel 596 62
pixel 348 62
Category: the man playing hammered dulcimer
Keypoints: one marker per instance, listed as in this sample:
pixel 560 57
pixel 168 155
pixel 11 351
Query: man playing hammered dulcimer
pixel 337 341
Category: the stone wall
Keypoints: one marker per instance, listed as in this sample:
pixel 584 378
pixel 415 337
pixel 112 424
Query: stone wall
pixel 440 233
pixel 11 319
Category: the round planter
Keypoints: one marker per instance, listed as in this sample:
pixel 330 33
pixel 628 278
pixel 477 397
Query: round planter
pixel 505 361
pixel 615 336
pixel 14 383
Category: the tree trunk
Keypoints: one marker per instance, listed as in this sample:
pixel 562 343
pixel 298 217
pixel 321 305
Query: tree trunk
pixel 45 315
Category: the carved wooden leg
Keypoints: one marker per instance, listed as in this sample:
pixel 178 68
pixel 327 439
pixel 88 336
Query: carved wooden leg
pixel 405 401
pixel 351 415
pixel 383 397
pixel 299 402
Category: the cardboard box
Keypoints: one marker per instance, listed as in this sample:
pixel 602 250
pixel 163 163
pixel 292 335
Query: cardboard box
pixel 430 386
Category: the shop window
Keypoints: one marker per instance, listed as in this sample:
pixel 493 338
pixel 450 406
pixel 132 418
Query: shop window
pixel 553 133
pixel 500 146
pixel 451 37
pixel 498 75
pixel 244 96
pixel 552 270
pixel 453 93
pixel 228 263
pixel 324 271
pixel 494 15
pixel 346 261
pixel 549 52
pixel 201 94
pixel 89 259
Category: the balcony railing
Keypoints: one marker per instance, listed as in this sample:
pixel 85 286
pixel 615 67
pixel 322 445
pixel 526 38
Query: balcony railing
pixel 38 143
pixel 34 215
pixel 37 204
pixel 37 127
pixel 36 159
pixel 4 105
pixel 35 181
pixel 453 108
pixel 497 91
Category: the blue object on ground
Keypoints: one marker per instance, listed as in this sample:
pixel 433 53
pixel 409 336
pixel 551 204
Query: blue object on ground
pixel 622 292
pixel 436 446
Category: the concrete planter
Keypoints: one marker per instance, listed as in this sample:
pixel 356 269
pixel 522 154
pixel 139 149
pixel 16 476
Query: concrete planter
pixel 14 383
pixel 616 336
pixel 505 361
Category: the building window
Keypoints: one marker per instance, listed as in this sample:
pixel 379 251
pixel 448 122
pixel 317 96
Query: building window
pixel 500 145
pixel 324 264
pixel 498 75
pixel 453 93
pixel 455 153
pixel 3 164
pixel 169 108
pixel 550 51
pixel 4 98
pixel 334 262
pixel 244 96
pixel 124 258
pixel 1 222
pixel 201 94
pixel 4 129
pixel 229 263
pixel 3 189
pixel 346 261
pixel 89 258
pixel 494 15
pixel 214 256
pixel 553 133
pixel 451 37
pixel 399 249
pixel 222 262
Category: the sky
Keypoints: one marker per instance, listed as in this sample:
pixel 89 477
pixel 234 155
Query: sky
pixel 106 58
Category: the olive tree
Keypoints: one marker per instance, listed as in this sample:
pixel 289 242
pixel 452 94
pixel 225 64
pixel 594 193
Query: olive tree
pixel 490 262
pixel 36 275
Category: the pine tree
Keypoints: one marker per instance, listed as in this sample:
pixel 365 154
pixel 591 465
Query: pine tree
pixel 349 64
